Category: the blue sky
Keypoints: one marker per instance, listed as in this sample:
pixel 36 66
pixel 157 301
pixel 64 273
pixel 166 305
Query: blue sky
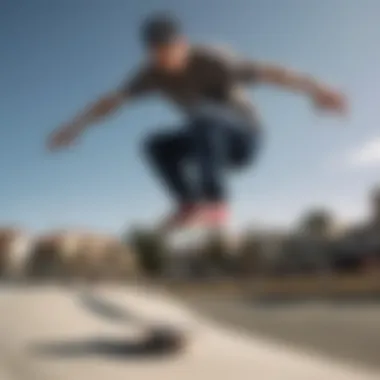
pixel 58 55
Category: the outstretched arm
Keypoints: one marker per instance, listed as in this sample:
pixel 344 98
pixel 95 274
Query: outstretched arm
pixel 108 104
pixel 98 110
pixel 323 96
pixel 284 77
pixel 92 114
pixel 247 71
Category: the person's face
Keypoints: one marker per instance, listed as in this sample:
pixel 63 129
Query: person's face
pixel 171 57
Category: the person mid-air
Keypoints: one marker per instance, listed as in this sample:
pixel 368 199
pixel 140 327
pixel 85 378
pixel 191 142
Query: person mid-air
pixel 221 129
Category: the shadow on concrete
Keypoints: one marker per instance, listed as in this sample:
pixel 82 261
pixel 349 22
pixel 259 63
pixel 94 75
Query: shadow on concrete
pixel 157 342
pixel 154 346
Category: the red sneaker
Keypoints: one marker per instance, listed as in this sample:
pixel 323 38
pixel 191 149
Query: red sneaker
pixel 184 216
pixel 215 214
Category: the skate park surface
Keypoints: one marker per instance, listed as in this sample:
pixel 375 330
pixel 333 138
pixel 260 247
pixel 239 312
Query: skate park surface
pixel 77 332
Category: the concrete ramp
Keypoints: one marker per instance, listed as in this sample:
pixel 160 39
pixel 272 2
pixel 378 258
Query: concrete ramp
pixel 61 334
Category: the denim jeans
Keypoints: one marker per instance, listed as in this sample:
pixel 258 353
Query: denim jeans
pixel 210 144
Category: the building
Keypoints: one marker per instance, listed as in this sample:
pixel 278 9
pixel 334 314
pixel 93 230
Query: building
pixel 81 254
pixel 15 249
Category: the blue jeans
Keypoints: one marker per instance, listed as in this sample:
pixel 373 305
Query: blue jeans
pixel 211 145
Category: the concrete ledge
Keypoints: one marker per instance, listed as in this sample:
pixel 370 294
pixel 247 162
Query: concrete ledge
pixel 301 286
pixel 49 318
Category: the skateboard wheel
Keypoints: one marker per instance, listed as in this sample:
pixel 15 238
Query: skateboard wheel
pixel 165 339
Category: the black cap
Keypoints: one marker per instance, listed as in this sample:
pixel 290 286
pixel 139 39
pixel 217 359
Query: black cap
pixel 160 29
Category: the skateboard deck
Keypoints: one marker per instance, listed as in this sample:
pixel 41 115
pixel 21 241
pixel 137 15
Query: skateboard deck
pixel 154 336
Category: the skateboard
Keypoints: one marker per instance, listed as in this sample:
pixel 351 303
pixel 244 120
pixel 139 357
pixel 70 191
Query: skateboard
pixel 156 337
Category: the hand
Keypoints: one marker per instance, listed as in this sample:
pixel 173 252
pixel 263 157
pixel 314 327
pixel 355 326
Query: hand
pixel 326 99
pixel 63 137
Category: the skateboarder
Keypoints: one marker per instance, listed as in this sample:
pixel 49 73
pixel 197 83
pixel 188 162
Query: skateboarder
pixel 221 129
